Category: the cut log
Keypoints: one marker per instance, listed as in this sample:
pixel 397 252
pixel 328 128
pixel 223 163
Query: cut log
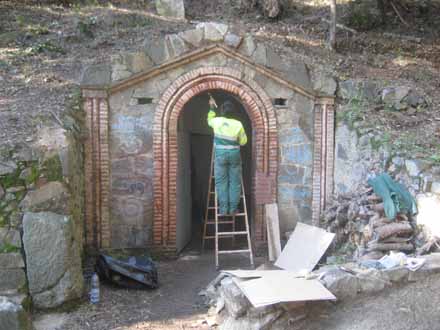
pixel 375 246
pixel 391 229
pixel 402 217
pixel 397 239
pixel 380 222
pixel 377 207
pixel 374 199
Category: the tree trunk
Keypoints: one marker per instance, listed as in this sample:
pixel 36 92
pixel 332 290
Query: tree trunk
pixel 271 8
pixel 332 30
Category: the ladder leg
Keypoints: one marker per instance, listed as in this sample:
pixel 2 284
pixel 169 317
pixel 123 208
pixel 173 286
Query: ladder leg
pixel 208 199
pixel 246 219
pixel 233 229
pixel 217 266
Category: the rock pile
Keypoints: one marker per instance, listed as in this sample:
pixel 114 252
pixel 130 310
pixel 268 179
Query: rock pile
pixel 360 225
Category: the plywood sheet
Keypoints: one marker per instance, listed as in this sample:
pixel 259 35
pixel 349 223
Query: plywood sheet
pixel 282 287
pixel 273 231
pixel 305 247
pixel 246 274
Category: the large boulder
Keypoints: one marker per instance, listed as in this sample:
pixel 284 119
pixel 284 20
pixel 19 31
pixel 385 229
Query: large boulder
pixel 13 316
pixel 235 301
pixel 53 196
pixel 171 8
pixel 52 258
pixel 342 284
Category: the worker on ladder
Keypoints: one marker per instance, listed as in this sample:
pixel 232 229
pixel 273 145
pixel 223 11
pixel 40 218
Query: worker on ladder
pixel 229 135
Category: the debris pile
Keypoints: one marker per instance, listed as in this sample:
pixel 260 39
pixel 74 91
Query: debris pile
pixel 232 310
pixel 361 226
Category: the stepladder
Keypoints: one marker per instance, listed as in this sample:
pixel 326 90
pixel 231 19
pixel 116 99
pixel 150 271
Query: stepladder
pixel 220 227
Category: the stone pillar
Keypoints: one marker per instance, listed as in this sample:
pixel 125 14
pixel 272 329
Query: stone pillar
pixel 323 157
pixel 97 169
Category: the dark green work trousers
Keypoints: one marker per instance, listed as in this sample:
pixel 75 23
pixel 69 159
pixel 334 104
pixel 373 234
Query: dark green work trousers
pixel 227 171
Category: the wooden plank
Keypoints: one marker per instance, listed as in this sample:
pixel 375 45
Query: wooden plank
pixel 273 231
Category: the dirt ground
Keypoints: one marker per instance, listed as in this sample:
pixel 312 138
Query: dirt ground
pixel 177 305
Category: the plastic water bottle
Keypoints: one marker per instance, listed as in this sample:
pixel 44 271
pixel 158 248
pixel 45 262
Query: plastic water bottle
pixel 94 291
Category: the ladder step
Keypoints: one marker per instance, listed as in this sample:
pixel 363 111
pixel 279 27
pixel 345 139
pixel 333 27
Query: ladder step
pixel 219 222
pixel 225 233
pixel 224 236
pixel 231 215
pixel 233 251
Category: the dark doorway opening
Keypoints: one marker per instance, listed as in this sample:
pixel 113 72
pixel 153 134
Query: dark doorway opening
pixel 195 139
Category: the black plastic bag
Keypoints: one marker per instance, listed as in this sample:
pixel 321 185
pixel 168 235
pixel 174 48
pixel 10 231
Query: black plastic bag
pixel 132 272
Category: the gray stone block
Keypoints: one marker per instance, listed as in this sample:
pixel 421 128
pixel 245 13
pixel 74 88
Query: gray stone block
pixel 13 316
pixel 52 258
pixel 157 50
pixel 214 32
pixel 10 237
pixel 176 45
pixel 342 284
pixel 7 167
pixel 232 40
pixel 11 260
pixel 194 37
pixel 248 46
pixel 96 74
pixel 235 301
pixel 397 274
pixel 324 84
pixel 53 196
pixel 372 280
pixel 12 279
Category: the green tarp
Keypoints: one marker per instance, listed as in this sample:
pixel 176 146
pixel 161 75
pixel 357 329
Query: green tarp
pixel 396 199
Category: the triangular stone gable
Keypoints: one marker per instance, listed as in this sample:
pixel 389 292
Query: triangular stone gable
pixel 292 76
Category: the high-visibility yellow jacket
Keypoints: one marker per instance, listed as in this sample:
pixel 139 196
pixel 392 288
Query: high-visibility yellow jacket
pixel 228 133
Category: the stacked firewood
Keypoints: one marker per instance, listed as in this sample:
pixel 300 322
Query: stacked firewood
pixel 358 220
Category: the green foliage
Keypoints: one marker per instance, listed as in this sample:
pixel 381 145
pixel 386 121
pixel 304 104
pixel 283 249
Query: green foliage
pixel 8 248
pixel 353 114
pixel 363 15
pixel 435 158
pixel 52 169
pixel 33 175
pixel 21 20
pixel 383 140
pixel 12 179
pixel 37 30
pixel 85 27
pixel 44 47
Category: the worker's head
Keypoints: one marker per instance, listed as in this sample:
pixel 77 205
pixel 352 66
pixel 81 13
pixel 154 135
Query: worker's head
pixel 227 109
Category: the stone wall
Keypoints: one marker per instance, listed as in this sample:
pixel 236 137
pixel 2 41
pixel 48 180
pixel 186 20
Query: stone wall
pixel 131 149
pixel 362 150
pixel 42 175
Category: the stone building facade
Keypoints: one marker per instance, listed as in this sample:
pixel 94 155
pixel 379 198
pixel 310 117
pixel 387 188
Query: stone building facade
pixel 135 191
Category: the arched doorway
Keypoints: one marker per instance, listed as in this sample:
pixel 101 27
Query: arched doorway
pixel 195 139
pixel 260 111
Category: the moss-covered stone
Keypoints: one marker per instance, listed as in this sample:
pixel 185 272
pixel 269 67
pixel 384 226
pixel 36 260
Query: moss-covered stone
pixel 52 169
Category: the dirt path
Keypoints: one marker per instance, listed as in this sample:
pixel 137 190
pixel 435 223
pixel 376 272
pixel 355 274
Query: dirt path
pixel 413 306
pixel 175 305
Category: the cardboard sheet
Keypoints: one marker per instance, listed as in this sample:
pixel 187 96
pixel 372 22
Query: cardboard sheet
pixel 305 247
pixel 282 287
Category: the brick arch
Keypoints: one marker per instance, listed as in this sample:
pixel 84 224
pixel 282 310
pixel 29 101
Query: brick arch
pixel 265 142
